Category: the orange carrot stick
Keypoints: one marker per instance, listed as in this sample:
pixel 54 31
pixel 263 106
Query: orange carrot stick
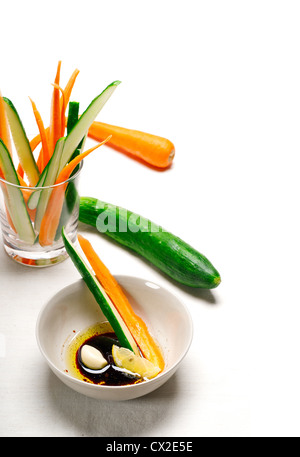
pixel 37 139
pixel 64 100
pixel 40 157
pixel 69 87
pixel 35 142
pixel 4 129
pixel 135 324
pixel 154 150
pixel 20 171
pixel 63 113
pixel 55 128
pixel 21 181
pixel 45 154
pixel 63 110
pixel 39 161
pixel 52 214
pixel 68 169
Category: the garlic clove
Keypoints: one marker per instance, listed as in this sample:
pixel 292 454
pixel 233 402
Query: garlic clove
pixel 92 358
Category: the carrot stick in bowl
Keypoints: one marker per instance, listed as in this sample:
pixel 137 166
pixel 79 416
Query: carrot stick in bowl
pixel 152 149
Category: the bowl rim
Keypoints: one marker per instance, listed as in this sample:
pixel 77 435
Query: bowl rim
pixel 102 387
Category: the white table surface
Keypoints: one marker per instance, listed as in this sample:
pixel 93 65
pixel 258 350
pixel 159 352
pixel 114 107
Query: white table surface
pixel 222 81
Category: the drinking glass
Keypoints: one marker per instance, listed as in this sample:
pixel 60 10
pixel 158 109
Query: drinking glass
pixel 32 219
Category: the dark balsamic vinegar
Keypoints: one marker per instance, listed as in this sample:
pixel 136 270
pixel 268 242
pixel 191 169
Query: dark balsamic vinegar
pixel 110 375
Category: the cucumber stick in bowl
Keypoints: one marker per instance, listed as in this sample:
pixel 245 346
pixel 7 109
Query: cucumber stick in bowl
pixel 169 253
pixel 108 308
pixel 14 199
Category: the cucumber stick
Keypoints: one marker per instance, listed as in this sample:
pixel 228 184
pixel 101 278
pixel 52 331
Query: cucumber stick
pixel 109 310
pixel 73 116
pixel 21 143
pixel 49 180
pixel 14 199
pixel 79 131
pixel 72 119
pixel 34 197
pixel 72 196
pixel 170 254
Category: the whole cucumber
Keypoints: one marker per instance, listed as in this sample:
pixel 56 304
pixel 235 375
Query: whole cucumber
pixel 166 251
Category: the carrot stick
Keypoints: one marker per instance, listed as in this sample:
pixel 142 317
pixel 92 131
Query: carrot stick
pixel 135 324
pixel 69 87
pixel 68 169
pixel 65 97
pixel 154 150
pixel 64 100
pixel 20 171
pixel 21 181
pixel 63 113
pixel 40 157
pixel 4 129
pixel 39 161
pixel 63 109
pixel 70 84
pixel 52 214
pixel 45 154
pixel 55 128
pixel 37 139
pixel 35 142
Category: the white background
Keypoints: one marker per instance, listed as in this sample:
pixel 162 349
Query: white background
pixel 221 79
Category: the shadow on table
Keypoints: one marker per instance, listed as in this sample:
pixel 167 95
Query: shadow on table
pixel 97 418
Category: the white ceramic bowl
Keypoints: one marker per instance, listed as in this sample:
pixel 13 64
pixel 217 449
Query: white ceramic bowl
pixel 74 309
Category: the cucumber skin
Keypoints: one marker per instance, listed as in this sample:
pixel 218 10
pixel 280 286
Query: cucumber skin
pixel 11 106
pixel 23 226
pixel 166 251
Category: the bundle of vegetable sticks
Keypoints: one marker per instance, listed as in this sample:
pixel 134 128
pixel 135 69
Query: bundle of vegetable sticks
pixel 34 209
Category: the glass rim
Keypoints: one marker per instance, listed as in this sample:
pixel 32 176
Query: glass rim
pixel 34 189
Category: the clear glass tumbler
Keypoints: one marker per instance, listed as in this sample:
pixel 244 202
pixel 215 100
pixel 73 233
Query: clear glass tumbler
pixel 32 219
